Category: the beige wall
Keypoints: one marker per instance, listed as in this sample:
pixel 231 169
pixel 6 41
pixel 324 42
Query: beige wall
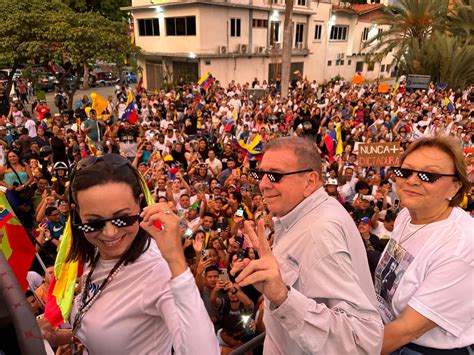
pixel 213 31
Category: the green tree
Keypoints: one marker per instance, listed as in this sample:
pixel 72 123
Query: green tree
pixel 110 9
pixel 89 37
pixel 428 37
pixel 27 32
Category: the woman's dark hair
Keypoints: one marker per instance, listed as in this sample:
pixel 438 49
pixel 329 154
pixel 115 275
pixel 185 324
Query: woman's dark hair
pixel 17 153
pixel 101 173
pixel 361 185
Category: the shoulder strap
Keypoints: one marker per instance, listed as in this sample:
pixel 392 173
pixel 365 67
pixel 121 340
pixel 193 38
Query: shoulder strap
pixel 17 176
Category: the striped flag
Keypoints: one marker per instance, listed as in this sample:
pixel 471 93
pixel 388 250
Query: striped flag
pixel 130 113
pixel 15 243
pixel 206 81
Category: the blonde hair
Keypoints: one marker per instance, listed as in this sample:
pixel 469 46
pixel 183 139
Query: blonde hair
pixel 451 147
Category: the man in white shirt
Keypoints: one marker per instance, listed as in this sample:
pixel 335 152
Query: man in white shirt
pixel 319 296
pixel 214 164
pixel 30 125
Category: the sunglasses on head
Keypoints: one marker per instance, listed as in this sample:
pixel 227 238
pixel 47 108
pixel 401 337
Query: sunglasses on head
pixel 422 175
pixel 97 225
pixel 274 176
pixel 113 159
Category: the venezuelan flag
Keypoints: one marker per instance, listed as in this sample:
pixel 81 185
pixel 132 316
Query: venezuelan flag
pixel 206 80
pixel 130 113
pixel 254 148
pixel 15 243
pixel 63 282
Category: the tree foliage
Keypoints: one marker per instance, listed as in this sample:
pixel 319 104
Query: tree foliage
pixel 27 33
pixel 47 30
pixel 110 9
pixel 428 37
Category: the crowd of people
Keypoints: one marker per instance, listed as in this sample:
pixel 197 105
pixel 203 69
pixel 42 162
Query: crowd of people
pixel 306 226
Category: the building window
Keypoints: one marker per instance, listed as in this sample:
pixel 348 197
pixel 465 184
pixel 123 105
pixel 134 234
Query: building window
pixel 388 68
pixel 329 63
pixel 338 33
pixel 299 33
pixel 359 66
pixel 317 32
pixel 349 62
pixel 301 2
pixel 181 26
pixel 379 34
pixel 370 66
pixel 365 33
pixel 258 23
pixel 235 27
pixel 382 68
pixel 148 27
pixel 274 33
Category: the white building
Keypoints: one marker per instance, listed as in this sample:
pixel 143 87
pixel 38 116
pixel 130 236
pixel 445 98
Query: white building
pixel 241 39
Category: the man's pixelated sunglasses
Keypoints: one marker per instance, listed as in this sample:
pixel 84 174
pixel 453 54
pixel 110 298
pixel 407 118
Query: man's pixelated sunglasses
pixel 424 176
pixel 274 176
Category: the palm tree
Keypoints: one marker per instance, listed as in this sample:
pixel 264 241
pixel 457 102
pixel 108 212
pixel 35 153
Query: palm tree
pixel 408 21
pixel 286 50
pixel 461 21
pixel 428 37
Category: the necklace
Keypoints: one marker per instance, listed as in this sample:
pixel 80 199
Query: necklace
pixel 86 304
pixel 411 234
pixel 423 226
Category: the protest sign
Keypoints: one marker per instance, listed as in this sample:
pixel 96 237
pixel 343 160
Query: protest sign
pixel 379 154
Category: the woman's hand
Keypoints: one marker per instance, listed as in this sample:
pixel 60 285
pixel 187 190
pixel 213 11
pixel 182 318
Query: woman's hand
pixel 198 243
pixel 47 330
pixel 168 238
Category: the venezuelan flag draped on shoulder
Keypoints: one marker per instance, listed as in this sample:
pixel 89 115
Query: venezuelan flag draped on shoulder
pixel 15 244
pixel 63 282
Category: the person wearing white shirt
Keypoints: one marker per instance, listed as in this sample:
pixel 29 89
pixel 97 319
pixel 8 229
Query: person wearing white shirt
pixel 214 164
pixel 30 125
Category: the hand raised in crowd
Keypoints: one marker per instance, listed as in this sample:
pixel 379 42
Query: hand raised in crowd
pixel 198 243
pixel 264 273
pixel 239 265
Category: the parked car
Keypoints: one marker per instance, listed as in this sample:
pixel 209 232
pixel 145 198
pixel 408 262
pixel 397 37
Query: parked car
pixel 46 82
pixel 129 77
pixel 105 78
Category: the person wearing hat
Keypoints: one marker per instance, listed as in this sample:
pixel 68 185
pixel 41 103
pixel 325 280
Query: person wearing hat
pixel 372 243
pixel 331 188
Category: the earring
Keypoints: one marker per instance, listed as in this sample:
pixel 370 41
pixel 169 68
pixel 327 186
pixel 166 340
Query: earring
pixel 449 199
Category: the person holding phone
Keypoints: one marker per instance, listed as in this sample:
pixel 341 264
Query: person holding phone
pixel 137 289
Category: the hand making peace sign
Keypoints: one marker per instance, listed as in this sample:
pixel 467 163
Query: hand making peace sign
pixel 263 273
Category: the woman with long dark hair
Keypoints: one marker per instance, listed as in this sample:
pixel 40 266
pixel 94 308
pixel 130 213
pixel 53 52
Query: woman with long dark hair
pixel 138 295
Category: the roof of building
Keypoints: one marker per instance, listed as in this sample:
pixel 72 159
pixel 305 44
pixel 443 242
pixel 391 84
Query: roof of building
pixel 358 9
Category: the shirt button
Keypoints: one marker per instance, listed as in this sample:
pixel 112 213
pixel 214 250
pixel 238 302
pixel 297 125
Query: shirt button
pixel 282 317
